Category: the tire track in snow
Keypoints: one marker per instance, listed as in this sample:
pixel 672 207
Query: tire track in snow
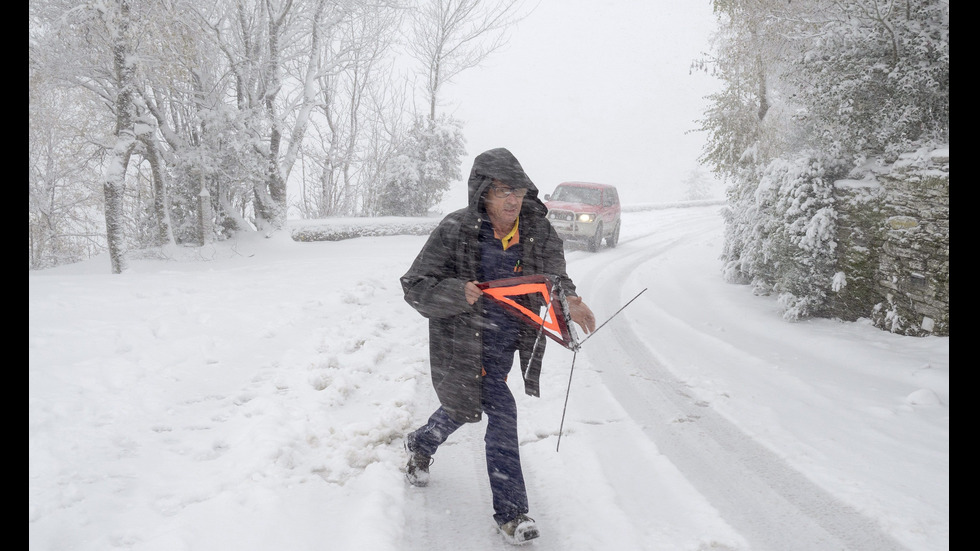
pixel 770 504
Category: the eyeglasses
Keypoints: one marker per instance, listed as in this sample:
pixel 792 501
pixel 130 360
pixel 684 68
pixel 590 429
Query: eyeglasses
pixel 505 192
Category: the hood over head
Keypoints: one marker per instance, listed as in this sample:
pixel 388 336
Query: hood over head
pixel 499 164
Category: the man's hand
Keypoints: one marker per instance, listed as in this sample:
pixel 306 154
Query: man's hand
pixel 581 314
pixel 472 292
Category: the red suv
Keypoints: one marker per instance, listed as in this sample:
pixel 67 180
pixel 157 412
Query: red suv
pixel 583 211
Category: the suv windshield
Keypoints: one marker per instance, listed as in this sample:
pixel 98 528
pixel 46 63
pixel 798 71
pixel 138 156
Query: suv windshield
pixel 569 194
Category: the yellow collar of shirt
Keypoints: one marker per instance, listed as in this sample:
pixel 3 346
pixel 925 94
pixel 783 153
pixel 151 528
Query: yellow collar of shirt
pixel 513 235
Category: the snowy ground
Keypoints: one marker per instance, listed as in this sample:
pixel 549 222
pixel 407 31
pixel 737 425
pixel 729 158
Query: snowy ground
pixel 253 396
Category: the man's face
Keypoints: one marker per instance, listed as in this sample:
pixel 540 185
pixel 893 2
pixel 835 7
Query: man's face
pixel 504 204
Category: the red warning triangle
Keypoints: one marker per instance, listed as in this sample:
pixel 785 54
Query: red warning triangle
pixel 553 317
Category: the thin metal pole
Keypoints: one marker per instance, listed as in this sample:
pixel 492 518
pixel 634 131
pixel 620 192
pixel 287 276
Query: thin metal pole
pixel 567 392
pixel 614 315
pixel 572 370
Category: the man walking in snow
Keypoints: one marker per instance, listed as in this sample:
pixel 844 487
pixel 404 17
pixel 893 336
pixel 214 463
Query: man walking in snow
pixel 503 232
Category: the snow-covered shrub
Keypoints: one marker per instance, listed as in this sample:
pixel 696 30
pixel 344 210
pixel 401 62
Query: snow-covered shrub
pixel 781 239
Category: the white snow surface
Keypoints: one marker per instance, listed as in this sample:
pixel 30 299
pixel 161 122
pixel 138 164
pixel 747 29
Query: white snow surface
pixel 254 394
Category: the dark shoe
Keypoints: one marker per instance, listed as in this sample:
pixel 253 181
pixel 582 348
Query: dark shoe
pixel 520 530
pixel 417 472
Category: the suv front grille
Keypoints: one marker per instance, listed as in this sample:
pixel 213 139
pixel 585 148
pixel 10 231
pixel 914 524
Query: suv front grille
pixel 566 215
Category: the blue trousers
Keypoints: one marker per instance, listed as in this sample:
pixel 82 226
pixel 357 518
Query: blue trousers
pixel 502 446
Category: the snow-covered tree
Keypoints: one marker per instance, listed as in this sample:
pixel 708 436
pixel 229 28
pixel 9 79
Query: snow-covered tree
pixel 450 36
pixel 181 102
pixel 65 221
pixel 697 185
pixel 358 116
pixel 810 90
pixel 873 76
pixel 420 173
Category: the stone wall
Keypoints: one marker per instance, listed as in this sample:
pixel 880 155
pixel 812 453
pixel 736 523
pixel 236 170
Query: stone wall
pixel 893 246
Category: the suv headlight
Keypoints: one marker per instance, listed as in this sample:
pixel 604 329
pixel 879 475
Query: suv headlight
pixel 586 217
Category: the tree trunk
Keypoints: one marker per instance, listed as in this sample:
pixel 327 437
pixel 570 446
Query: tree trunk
pixel 161 198
pixel 115 176
pixel 113 190
pixel 270 207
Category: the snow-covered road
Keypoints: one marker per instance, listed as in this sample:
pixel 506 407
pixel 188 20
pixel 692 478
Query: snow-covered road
pixel 699 419
pixel 253 395
pixel 773 506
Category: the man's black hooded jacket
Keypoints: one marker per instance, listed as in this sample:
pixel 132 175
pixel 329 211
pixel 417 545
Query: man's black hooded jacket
pixel 451 256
